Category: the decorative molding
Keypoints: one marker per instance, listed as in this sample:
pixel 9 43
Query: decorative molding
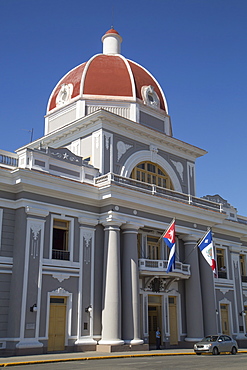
pixel 122 149
pixel 60 277
pixel 87 236
pixel 60 291
pixel 107 140
pixel 65 155
pixel 64 94
pixel 154 151
pixel 191 168
pixel 97 140
pixel 180 168
pixel 34 250
pixel 150 97
pixel 35 229
pixel 224 290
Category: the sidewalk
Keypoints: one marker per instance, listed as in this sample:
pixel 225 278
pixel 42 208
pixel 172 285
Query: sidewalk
pixel 81 356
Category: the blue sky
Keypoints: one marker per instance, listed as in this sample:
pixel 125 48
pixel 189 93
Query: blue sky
pixel 196 49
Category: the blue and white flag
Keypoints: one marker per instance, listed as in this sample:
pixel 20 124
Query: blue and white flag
pixel 206 247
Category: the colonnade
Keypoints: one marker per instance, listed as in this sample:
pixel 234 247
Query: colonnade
pixel 121 311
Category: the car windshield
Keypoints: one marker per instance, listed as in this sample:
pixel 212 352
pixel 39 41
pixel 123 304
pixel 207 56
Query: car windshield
pixel 210 338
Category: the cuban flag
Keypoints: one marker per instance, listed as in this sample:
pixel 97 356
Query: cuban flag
pixel 206 247
pixel 169 239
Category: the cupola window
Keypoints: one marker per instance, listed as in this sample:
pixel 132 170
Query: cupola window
pixel 153 174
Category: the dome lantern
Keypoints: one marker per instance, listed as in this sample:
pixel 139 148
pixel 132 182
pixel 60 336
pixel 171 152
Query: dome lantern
pixel 111 42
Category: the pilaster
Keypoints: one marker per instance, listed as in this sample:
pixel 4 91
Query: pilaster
pixel 32 280
pixel 194 310
pixel 86 284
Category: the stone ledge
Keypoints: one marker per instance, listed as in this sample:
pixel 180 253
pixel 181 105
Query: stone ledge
pixel 121 348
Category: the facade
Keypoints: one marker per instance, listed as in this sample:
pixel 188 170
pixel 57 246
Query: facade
pixel 82 212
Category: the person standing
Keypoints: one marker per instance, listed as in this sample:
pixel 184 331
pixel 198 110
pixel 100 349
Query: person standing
pixel 158 337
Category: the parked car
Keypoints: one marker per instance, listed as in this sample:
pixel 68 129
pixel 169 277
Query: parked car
pixel 216 344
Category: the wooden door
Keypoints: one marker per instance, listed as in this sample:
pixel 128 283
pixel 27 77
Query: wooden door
pixel 57 324
pixel 173 321
pixel 152 323
pixel 224 319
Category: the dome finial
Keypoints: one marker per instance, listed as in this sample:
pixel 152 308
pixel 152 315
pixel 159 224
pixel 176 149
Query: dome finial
pixel 111 42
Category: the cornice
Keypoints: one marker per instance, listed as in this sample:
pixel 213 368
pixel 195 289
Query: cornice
pixel 106 119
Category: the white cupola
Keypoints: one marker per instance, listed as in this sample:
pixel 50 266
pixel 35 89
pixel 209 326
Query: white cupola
pixel 111 42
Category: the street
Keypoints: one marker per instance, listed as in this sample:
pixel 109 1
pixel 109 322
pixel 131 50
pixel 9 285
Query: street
pixel 224 361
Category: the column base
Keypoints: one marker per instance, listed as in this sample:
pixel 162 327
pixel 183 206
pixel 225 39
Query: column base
pixel 133 341
pixel 85 344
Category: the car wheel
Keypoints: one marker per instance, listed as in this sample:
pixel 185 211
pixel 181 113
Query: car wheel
pixel 198 353
pixel 215 351
pixel 234 351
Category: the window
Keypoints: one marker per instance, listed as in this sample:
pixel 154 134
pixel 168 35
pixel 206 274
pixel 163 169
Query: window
pixel 242 259
pixel 221 263
pixel 60 239
pixel 153 247
pixel 152 174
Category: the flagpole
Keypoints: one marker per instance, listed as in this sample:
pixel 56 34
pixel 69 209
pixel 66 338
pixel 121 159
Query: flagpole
pixel 174 219
pixel 198 242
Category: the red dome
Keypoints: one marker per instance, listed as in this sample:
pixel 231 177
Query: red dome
pixel 107 76
pixel 112 31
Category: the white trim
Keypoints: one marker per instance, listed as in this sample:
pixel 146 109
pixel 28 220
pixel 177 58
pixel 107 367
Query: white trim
pixel 230 323
pixel 146 155
pixel 161 91
pixel 60 292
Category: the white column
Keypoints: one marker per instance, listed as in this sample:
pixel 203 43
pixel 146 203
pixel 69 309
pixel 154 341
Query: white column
pixel 111 310
pixel 130 286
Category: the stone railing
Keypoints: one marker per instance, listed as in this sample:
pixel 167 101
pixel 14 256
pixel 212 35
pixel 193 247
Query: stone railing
pixel 161 266
pixel 140 186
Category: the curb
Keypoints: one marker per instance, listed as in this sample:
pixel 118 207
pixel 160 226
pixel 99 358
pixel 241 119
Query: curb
pixel 98 358
pixel 93 358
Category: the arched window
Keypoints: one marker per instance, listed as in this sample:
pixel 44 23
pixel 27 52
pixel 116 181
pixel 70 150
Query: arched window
pixel 153 174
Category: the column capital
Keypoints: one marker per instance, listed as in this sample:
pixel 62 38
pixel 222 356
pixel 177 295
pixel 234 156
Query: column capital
pixel 131 226
pixel 189 238
pixel 111 219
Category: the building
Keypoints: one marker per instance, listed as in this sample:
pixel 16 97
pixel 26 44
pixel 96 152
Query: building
pixel 82 212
